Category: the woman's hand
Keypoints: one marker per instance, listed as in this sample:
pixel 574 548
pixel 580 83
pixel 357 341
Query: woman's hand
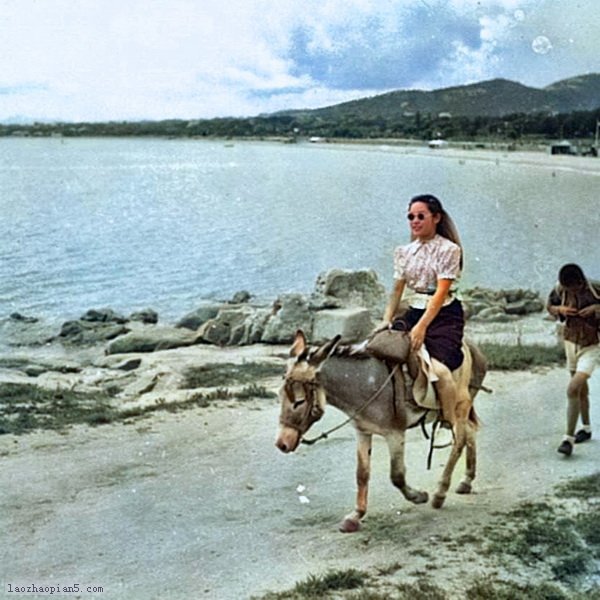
pixel 385 324
pixel 417 336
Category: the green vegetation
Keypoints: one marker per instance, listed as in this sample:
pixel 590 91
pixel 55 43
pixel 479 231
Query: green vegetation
pixel 26 407
pixel 321 587
pixel 508 130
pixel 554 546
pixel 536 533
pixel 502 357
pixel 216 374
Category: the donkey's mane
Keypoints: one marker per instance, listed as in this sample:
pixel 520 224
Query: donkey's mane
pixel 356 351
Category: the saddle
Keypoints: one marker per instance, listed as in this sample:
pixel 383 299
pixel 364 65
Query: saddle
pixel 393 346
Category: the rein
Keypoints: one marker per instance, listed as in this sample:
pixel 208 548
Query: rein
pixel 326 434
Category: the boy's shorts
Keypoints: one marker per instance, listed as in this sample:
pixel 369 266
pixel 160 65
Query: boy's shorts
pixel 582 360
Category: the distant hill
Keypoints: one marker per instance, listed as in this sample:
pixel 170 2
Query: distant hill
pixel 493 98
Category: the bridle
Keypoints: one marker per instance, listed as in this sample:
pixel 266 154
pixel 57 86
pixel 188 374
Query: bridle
pixel 310 388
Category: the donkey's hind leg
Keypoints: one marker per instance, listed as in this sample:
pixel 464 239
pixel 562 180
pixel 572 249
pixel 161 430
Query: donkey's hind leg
pixel 395 442
pixel 464 487
pixel 463 434
pixel 351 522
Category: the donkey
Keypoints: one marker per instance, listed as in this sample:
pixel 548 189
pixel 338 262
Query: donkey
pixel 363 387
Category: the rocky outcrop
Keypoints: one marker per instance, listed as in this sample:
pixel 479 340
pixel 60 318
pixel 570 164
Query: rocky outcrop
pixel 351 323
pixel 150 339
pixel 235 326
pixel 343 302
pixel 290 313
pixel 351 289
pixel 483 304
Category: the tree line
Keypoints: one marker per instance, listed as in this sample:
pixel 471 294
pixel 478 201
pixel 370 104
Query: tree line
pixel 520 127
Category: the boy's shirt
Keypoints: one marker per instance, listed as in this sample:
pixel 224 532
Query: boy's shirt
pixel 579 330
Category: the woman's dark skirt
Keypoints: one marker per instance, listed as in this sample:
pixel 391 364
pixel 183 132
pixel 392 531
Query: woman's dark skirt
pixel 444 336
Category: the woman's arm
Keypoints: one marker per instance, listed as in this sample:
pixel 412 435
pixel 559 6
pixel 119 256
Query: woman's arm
pixel 417 333
pixel 394 301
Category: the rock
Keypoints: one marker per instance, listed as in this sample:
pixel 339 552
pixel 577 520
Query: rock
pixel 201 315
pixel 129 365
pixel 353 288
pixel 147 316
pixel 292 313
pixel 232 326
pixel 103 315
pixel 16 316
pixel 84 332
pixel 353 324
pixel 35 370
pixel 151 340
pixel 493 313
pixel 241 297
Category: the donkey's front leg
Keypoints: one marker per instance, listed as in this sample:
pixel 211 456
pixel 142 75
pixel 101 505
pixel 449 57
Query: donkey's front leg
pixel 351 522
pixel 395 442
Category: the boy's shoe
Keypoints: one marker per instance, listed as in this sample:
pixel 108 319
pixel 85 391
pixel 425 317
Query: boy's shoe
pixel 566 448
pixel 582 436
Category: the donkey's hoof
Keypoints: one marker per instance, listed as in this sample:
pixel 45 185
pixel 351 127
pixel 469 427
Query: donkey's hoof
pixel 438 501
pixel 463 488
pixel 349 525
pixel 420 497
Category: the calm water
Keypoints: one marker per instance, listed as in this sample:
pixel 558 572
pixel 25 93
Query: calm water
pixel 131 223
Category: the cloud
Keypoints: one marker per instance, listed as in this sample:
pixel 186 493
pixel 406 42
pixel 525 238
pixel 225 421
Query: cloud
pixel 108 59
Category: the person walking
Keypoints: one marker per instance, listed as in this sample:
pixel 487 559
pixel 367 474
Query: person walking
pixel 575 302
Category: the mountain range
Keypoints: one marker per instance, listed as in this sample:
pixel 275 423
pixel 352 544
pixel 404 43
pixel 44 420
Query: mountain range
pixel 493 98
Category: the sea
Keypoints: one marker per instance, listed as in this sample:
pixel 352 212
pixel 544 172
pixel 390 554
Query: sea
pixel 134 223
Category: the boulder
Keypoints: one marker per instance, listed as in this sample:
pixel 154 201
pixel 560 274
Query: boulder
pixel 201 315
pixel 152 339
pixel 17 316
pixel 353 324
pixel 353 288
pixel 147 316
pixel 240 325
pixel 291 312
pixel 103 315
pixel 494 314
pixel 90 332
pixel 241 297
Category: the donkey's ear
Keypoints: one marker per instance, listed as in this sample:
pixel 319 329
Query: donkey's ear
pixel 324 351
pixel 299 346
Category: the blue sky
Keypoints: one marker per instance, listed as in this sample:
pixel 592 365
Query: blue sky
pixel 97 60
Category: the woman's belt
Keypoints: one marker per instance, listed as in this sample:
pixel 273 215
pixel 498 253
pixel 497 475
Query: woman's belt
pixel 419 299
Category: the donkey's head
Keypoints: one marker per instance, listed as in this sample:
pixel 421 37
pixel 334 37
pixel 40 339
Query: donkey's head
pixel 302 396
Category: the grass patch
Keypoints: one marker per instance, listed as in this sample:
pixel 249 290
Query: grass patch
pixel 422 589
pixel 581 487
pixel 219 374
pixel 509 590
pixel 322 586
pixel 535 533
pixel 25 407
pixel 516 358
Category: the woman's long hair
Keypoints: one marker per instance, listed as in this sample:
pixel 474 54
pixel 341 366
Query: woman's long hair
pixel 445 227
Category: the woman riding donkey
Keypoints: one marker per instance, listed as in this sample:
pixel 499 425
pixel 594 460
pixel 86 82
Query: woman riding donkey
pixel 428 269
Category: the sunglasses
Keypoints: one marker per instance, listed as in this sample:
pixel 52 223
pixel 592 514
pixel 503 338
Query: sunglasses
pixel 419 216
